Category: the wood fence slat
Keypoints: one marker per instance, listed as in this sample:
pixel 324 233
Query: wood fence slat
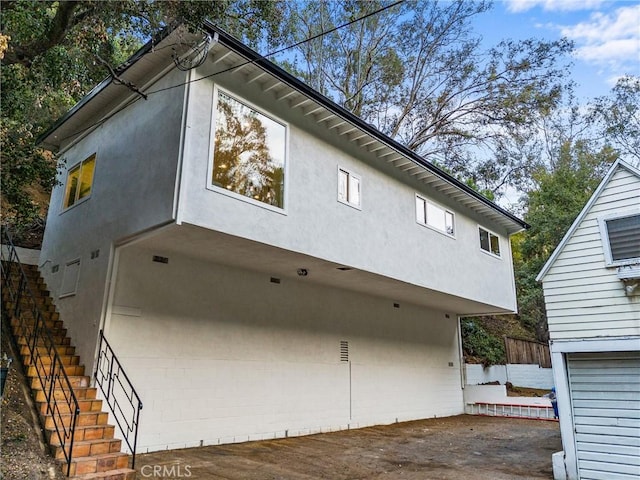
pixel 527 352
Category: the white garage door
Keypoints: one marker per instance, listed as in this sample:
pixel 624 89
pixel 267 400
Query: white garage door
pixel 605 391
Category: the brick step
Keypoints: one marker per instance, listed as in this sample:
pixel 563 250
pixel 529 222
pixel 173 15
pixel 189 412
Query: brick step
pixel 71 370
pixel 51 323
pixel 85 404
pixel 97 463
pixel 82 433
pixel 26 304
pixel 81 393
pixel 76 381
pixel 88 448
pixel 119 474
pixel 61 349
pixel 85 419
pixel 59 340
pixel 27 329
pixel 44 359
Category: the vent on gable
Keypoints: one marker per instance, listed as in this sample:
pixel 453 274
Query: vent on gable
pixel 344 351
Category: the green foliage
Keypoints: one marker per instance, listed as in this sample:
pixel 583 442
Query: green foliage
pixel 54 53
pixel 480 343
pixel 618 117
pixel 552 204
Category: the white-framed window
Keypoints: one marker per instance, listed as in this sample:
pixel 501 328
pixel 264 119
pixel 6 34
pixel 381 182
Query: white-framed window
pixel 248 152
pixel 79 182
pixel 349 188
pixel 489 241
pixel 620 234
pixel 434 216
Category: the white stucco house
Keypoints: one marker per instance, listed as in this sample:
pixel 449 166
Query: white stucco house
pixel 592 294
pixel 264 263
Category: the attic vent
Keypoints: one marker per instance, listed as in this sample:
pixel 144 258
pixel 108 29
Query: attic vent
pixel 344 351
pixel 159 259
pixel 275 280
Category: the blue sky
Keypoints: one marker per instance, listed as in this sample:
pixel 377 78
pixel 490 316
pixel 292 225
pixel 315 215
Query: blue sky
pixel 606 35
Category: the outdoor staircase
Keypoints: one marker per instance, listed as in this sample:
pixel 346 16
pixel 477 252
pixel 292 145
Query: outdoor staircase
pixel 95 453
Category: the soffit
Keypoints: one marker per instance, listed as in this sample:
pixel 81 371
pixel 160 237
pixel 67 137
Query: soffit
pixel 248 71
pixel 237 60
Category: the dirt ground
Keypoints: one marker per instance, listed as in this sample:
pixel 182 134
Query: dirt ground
pixel 456 448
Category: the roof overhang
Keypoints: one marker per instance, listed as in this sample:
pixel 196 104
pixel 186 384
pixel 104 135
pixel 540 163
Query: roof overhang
pixel 232 57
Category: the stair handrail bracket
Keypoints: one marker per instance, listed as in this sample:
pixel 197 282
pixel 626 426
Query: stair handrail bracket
pixel 119 394
pixel 62 404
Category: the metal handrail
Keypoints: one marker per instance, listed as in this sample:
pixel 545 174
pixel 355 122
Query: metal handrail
pixel 118 391
pixel 58 391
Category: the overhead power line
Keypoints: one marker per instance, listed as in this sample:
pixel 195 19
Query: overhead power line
pixel 260 57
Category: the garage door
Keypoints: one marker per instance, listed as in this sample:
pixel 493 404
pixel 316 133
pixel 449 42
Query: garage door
pixel 605 391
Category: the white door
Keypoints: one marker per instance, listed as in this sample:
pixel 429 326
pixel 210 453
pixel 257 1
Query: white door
pixel 605 394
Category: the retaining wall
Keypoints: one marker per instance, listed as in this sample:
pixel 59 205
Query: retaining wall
pixel 531 376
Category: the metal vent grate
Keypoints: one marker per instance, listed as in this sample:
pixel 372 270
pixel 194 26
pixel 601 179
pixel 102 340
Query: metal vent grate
pixel 344 351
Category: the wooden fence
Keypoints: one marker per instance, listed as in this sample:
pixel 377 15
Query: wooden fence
pixel 527 351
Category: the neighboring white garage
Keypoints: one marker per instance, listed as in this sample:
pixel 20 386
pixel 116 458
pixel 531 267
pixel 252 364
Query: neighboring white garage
pixel 592 297
pixel 605 388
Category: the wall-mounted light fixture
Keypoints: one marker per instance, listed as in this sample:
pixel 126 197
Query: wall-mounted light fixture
pixel 303 272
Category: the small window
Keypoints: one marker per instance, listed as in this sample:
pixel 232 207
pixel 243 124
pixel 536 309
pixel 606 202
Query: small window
pixel 489 242
pixel 349 188
pixel 249 152
pixel 621 239
pixel 434 216
pixel 79 181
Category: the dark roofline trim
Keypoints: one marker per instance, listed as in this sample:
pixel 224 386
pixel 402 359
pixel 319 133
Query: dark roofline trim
pixel 295 83
pixel 336 109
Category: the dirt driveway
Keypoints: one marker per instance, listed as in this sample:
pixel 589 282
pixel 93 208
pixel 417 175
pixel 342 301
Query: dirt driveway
pixel 463 447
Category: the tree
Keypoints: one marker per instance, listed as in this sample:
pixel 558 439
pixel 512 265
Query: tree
pixel 552 204
pixel 55 52
pixel 618 117
pixel 416 71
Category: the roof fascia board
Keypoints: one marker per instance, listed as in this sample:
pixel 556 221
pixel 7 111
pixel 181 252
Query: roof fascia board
pixel 285 77
pixel 142 51
pixel 596 194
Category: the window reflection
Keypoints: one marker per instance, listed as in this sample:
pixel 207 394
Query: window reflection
pixel 249 152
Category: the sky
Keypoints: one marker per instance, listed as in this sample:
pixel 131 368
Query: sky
pixel 606 35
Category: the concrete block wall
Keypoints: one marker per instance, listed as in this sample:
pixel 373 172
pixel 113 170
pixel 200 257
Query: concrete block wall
pixel 531 376
pixel 221 355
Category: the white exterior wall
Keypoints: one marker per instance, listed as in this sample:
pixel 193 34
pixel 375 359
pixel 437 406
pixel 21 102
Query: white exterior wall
pixel 584 299
pixel 233 357
pixel 383 237
pixel 520 375
pixel 133 190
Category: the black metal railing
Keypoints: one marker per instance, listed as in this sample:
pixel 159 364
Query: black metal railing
pixel 118 391
pixel 48 369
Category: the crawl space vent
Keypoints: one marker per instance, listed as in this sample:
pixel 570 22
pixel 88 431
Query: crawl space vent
pixel 344 351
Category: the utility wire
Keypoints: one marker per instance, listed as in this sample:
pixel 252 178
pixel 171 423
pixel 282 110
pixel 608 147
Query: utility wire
pixel 260 57
pixel 283 49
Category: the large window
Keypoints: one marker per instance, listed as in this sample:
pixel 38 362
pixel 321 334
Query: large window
pixel 489 242
pixel 349 188
pixel 79 181
pixel 249 152
pixel 434 216
pixel 621 239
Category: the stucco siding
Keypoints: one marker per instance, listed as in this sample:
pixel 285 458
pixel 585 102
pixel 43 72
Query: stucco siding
pixel 234 357
pixel 381 237
pixel 133 190
pixel 584 298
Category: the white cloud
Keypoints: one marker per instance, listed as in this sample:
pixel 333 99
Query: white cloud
pixel 609 39
pixel 517 6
